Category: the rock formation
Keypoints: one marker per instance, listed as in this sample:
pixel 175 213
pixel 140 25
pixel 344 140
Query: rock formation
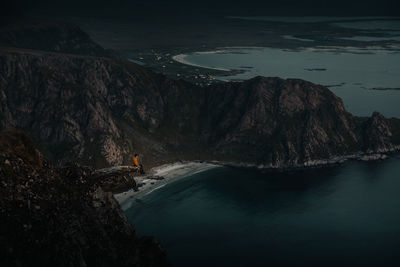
pixel 62 216
pixel 100 111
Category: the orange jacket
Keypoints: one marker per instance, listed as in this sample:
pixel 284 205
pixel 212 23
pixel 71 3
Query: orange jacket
pixel 136 162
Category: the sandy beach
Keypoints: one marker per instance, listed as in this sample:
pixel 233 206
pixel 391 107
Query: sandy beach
pixel 158 177
pixel 181 59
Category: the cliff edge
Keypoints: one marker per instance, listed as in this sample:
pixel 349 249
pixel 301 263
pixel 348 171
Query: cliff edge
pixel 100 111
pixel 61 216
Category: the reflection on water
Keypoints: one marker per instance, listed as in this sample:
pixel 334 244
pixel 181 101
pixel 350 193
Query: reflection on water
pixel 346 215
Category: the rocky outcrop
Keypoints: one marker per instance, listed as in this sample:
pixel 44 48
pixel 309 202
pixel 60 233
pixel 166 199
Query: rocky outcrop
pixel 61 216
pixel 117 179
pixel 380 134
pixel 279 122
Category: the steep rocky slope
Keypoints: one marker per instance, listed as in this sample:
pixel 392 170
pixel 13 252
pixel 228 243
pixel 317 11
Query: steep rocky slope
pixel 282 122
pixel 61 216
pixel 101 111
pixel 91 109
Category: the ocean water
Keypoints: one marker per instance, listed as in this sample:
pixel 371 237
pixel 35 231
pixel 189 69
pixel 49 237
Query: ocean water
pixel 351 73
pixel 347 215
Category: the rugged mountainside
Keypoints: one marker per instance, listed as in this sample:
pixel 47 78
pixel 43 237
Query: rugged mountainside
pixel 101 111
pixel 49 36
pixel 61 216
pixel 282 122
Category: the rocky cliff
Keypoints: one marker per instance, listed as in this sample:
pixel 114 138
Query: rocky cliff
pixel 61 216
pixel 101 111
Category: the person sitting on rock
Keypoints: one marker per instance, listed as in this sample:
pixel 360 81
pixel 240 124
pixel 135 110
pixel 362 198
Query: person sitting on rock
pixel 136 163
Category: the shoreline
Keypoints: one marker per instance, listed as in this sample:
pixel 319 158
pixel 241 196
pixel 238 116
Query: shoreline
pixel 162 175
pixel 159 176
pixel 311 164
pixel 181 59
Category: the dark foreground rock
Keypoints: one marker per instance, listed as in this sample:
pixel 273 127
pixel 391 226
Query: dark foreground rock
pixel 117 179
pixel 61 216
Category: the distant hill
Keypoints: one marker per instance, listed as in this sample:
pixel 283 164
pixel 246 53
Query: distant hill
pixel 47 35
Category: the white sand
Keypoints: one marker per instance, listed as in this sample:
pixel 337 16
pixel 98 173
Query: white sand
pixel 181 58
pixel 170 173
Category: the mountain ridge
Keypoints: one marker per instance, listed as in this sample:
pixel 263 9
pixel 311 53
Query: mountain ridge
pixel 49 35
pixel 104 110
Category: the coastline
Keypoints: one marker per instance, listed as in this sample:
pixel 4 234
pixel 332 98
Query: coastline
pixel 335 160
pixel 181 59
pixel 158 177
pixel 162 175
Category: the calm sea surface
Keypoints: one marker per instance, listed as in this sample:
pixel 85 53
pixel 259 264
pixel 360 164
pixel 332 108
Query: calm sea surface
pixel 341 216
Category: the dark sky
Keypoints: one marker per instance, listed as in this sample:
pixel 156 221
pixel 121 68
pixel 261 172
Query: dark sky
pixel 126 8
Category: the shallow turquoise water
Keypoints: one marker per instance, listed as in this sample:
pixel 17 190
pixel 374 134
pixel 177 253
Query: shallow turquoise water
pixel 347 215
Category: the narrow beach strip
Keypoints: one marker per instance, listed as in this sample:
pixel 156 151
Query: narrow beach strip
pixel 181 58
pixel 158 177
